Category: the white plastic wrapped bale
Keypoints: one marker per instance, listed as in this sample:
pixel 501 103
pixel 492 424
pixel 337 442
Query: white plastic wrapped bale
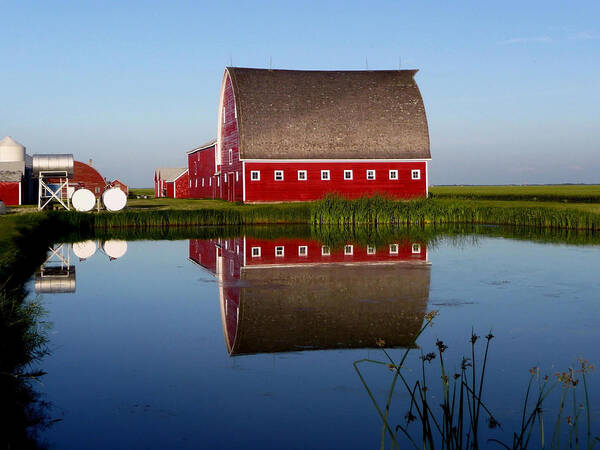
pixel 114 199
pixel 83 200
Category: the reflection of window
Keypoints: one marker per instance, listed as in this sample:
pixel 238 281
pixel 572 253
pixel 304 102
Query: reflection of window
pixel 302 175
pixel 393 174
pixel 393 249
pixel 302 250
pixel 416 174
pixel 255 175
pixel 370 174
pixel 231 267
pixel 255 252
pixel 279 175
pixel 370 250
pixel 348 250
pixel 279 251
pixel 325 251
pixel 325 175
pixel 416 248
pixel 347 174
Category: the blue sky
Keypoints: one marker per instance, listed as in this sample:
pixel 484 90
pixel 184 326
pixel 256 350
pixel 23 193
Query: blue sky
pixel 511 89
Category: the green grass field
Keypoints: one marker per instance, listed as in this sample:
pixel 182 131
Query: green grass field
pixel 545 193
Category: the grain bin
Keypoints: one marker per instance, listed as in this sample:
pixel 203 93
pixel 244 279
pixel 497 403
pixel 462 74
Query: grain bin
pixel 11 150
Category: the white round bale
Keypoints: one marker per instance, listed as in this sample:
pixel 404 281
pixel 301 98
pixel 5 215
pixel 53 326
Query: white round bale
pixel 114 199
pixel 114 248
pixel 83 200
pixel 85 249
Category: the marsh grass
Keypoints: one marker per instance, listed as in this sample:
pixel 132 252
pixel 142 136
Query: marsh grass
pixel 455 421
pixel 548 193
pixel 335 210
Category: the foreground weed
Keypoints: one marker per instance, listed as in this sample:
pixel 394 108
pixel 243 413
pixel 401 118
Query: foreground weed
pixel 455 423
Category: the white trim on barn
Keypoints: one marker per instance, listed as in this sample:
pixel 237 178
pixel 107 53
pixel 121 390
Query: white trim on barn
pixel 333 160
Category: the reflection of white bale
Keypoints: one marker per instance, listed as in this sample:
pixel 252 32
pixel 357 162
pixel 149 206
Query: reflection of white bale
pixel 114 199
pixel 83 200
pixel 85 249
pixel 114 248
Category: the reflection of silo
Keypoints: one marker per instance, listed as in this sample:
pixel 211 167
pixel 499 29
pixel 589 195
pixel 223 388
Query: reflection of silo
pixel 55 280
pixel 11 150
pixel 114 248
pixel 85 249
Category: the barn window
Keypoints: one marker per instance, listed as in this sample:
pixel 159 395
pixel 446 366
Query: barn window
pixel 218 181
pixel 255 252
pixel 255 175
pixel 370 174
pixel 302 175
pixel 97 190
pixel 196 182
pixel 393 249
pixel 202 181
pixel 325 250
pixel 302 250
pixel 325 175
pixel 278 175
pixel 230 156
pixel 279 251
pixel 347 174
pixel 416 248
pixel 370 250
pixel 348 250
pixel 416 174
pixel 210 181
pixel 393 174
pixel 191 183
pixel 225 178
pixel 237 176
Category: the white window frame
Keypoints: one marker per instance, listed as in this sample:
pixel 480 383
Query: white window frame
pixel 210 181
pixel 371 250
pixel 218 181
pixel 348 249
pixel 393 249
pixel 202 181
pixel 255 175
pixel 280 248
pixel 302 248
pixel 302 172
pixel 416 248
pixel 328 175
pixel 325 250
pixel 416 172
pixel 393 174
pixel 230 156
pixel 225 178
pixel 223 113
pixel 196 182
pixel 237 176
pixel 348 171
pixel 369 171
pixel 255 252
pixel 276 173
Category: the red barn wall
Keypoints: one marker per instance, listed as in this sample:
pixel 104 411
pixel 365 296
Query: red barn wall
pixel 10 192
pixel 230 185
pixel 291 189
pixel 182 186
pixel 201 167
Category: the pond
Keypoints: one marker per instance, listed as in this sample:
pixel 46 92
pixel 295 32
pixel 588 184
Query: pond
pixel 248 341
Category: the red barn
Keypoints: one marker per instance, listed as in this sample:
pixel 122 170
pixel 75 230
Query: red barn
pixel 171 182
pixel 290 135
pixel 201 168
pixel 120 185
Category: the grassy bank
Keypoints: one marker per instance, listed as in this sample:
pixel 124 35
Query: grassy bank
pixel 546 193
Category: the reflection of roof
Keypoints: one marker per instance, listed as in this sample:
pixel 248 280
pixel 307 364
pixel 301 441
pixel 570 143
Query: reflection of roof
pixel 171 173
pixel 300 114
pixel 330 306
pixel 204 146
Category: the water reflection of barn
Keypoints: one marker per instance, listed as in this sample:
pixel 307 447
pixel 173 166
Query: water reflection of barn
pixel 297 294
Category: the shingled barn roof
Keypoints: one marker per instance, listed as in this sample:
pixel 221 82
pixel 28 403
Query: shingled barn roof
pixel 297 114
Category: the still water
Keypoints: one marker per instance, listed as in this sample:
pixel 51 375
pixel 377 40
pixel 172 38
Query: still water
pixel 249 342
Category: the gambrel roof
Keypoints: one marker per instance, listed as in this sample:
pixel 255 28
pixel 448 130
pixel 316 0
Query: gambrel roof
pixel 299 114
